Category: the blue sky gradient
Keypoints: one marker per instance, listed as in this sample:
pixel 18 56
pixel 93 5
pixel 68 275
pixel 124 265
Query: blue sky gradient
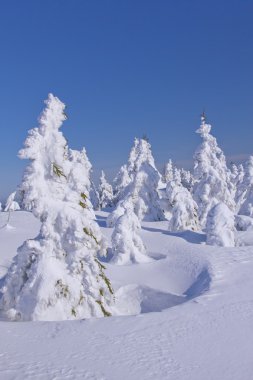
pixel 124 69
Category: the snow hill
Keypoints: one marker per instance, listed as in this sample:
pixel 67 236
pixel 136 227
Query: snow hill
pixel 188 314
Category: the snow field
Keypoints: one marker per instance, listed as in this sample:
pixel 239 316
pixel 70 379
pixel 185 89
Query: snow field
pixel 208 337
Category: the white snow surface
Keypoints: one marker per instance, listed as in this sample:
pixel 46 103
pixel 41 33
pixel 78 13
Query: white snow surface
pixel 186 315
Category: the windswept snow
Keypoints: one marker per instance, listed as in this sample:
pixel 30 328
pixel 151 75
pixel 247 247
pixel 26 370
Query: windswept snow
pixel 188 314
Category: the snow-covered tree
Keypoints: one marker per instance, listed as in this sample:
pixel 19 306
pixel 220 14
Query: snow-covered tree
pixel 120 184
pixel 220 227
pixel 79 178
pixel 245 190
pixel 105 192
pixel 56 276
pixel 142 194
pixel 187 179
pixel 11 203
pixel 140 153
pixel 142 191
pixel 240 189
pixel 94 196
pixel 212 180
pixel 90 187
pixel 233 173
pixel 168 172
pixel 183 208
pixel 127 245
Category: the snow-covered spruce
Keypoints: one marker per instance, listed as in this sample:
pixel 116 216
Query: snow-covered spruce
pixel 211 175
pixel 57 275
pixel 118 211
pixel 85 171
pixel 120 184
pixel 187 179
pixel 183 208
pixel 233 173
pixel 168 172
pixel 246 190
pixel 240 190
pixel 220 227
pixel 94 196
pixel 142 194
pixel 105 192
pixel 140 153
pixel 11 203
pixel 79 179
pixel 127 245
pixel 142 191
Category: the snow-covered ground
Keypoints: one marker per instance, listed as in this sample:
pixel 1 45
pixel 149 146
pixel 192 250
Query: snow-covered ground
pixel 188 315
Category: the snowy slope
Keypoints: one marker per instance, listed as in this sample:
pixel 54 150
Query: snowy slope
pixel 205 330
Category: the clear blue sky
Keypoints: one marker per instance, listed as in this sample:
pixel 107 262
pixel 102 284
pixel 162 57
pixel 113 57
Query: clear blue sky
pixel 125 68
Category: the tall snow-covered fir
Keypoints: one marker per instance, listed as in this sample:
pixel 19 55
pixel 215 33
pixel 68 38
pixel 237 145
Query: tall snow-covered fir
pixel 57 275
pixel 142 191
pixel 220 226
pixel 245 190
pixel 127 245
pixel 211 175
pixel 94 196
pixel 139 154
pixel 79 176
pixel 105 192
pixel 120 183
pixel 184 210
pixel 168 172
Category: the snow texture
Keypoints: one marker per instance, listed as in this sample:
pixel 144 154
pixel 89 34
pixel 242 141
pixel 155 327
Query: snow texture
pixel 174 305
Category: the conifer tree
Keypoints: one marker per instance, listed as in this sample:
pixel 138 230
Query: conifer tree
pixel 79 177
pixel 142 191
pixel 56 276
pixel 211 175
pixel 120 183
pixel 183 208
pixel 245 193
pixel 105 192
pixel 220 227
pixel 168 172
pixel 186 179
pixel 127 245
pixel 140 153
pixel 11 203
pixel 240 189
pixel 94 196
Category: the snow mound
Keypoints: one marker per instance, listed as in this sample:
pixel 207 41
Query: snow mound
pixel 138 299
